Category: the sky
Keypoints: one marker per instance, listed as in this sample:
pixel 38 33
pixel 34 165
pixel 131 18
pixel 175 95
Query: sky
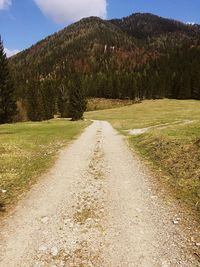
pixel 24 22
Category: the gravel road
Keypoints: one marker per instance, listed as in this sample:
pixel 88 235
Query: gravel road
pixel 95 207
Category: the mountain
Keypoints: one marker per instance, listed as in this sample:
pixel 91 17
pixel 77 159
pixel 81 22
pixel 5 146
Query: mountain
pixel 78 46
pixel 116 58
pixel 84 42
pixel 147 25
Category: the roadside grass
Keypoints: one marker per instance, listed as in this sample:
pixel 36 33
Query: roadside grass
pixel 103 103
pixel 171 144
pixel 27 150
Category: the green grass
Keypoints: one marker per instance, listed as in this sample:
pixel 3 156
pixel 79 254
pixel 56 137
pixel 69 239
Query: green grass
pixel 27 150
pixel 173 148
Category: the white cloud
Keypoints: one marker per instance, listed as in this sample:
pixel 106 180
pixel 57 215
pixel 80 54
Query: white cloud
pixel 65 11
pixel 11 52
pixel 4 4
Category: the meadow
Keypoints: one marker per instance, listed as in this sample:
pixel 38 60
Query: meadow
pixel 166 134
pixel 27 150
pixel 103 103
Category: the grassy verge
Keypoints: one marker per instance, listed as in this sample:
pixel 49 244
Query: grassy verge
pixel 171 143
pixel 27 150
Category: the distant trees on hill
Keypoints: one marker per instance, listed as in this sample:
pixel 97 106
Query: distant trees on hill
pixel 46 98
pixel 77 100
pixel 173 75
pixel 7 91
pixel 142 56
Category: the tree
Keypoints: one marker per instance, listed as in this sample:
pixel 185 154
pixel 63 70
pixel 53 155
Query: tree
pixel 7 98
pixel 48 93
pixel 35 105
pixel 77 100
pixel 63 99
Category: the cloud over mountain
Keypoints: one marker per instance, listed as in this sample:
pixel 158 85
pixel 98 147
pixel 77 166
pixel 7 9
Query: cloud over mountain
pixel 66 11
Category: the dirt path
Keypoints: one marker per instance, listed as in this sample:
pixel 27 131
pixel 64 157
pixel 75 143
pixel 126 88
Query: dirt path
pixel 94 208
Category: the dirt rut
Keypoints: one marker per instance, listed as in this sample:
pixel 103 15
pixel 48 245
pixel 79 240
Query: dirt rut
pixel 94 208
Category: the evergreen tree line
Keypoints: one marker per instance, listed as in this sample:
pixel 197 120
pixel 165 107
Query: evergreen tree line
pixel 41 99
pixel 44 99
pixel 176 75
pixel 7 90
pixel 173 75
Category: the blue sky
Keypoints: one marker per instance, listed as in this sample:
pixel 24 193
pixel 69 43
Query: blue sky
pixel 24 22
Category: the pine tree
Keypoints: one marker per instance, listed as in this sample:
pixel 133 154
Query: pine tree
pixel 7 99
pixel 77 100
pixel 35 105
pixel 63 99
pixel 48 93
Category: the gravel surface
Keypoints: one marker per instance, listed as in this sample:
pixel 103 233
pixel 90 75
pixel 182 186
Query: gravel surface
pixel 95 208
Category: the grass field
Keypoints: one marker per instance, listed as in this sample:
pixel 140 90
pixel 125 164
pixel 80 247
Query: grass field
pixel 171 142
pixel 27 150
pixel 103 103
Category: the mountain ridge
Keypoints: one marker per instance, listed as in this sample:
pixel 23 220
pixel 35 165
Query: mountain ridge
pixel 93 33
pixel 165 24
pixel 190 27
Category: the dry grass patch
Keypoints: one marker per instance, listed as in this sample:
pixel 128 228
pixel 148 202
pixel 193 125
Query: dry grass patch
pixel 28 150
pixel 173 148
pixel 103 103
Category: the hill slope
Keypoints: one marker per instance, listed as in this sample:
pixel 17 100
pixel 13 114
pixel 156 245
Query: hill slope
pixel 90 36
pixel 121 58
pixel 148 25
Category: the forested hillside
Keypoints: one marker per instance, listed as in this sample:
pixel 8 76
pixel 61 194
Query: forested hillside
pixel 141 56
pixel 147 25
